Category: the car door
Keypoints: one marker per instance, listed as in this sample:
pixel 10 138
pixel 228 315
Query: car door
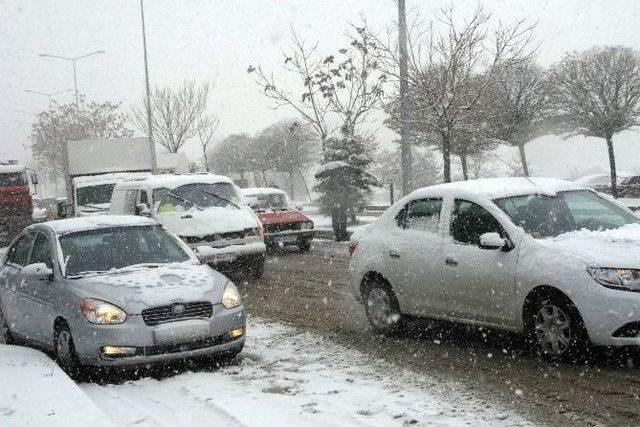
pixel 11 281
pixel 414 258
pixel 479 283
pixel 36 295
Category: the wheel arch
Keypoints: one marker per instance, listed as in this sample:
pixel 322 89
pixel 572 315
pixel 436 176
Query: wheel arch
pixel 534 296
pixel 369 279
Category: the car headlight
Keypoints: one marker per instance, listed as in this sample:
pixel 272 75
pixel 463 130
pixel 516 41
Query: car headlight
pixel 307 225
pixel 230 296
pixel 102 313
pixel 618 278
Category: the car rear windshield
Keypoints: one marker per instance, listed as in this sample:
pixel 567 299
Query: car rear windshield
pixel 110 248
pixel 12 179
pixel 549 216
pixel 268 201
pixel 95 194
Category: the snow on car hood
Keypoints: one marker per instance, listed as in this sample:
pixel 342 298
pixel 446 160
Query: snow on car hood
pixel 139 288
pixel 618 248
pixel 196 223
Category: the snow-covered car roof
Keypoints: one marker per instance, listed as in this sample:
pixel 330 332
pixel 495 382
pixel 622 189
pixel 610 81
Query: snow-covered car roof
pixel 492 188
pixel 11 168
pixel 255 191
pixel 601 178
pixel 175 181
pixel 107 178
pixel 72 225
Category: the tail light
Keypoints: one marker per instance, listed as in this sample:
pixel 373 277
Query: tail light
pixel 352 247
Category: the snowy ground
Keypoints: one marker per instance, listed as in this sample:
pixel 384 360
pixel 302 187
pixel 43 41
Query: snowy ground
pixel 287 377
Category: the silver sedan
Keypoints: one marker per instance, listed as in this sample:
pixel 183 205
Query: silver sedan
pixel 113 290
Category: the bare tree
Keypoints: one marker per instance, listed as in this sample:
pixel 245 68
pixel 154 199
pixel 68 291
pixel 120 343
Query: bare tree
pixel 519 104
pixel 338 90
pixel 450 71
pixel 207 127
pixel 597 93
pixel 175 114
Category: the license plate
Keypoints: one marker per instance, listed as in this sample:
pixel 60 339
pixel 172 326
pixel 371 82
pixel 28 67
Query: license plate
pixel 224 257
pixel 181 331
pixel 287 239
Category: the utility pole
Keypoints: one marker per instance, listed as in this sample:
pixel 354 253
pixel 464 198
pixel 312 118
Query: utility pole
pixel 405 131
pixel 152 145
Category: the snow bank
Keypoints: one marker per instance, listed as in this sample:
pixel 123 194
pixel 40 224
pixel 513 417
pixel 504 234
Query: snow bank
pixel 288 377
pixel 35 392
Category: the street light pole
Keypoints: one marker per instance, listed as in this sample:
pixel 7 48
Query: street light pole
pixel 49 95
pixel 405 131
pixel 152 145
pixel 73 61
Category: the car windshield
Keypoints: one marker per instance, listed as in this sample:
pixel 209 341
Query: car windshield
pixel 263 202
pixel 198 195
pixel 549 216
pixel 117 247
pixel 94 194
pixel 12 179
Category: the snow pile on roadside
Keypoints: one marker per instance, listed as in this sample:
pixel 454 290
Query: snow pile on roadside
pixel 35 392
pixel 288 377
pixel 629 233
pixel 322 222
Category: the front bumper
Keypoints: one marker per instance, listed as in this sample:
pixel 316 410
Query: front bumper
pixel 232 254
pixel 152 347
pixel 289 237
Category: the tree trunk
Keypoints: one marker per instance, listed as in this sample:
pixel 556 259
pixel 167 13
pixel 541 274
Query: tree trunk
pixel 523 159
pixel 206 160
pixel 446 158
pixel 465 167
pixel 304 182
pixel 264 178
pixel 291 186
pixel 339 223
pixel 612 167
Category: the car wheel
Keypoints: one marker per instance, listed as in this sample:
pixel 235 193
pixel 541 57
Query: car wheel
pixel 558 331
pixel 66 352
pixel 383 310
pixel 256 268
pixel 304 245
pixel 5 333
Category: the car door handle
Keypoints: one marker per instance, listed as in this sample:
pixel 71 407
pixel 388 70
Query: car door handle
pixel 394 254
pixel 450 261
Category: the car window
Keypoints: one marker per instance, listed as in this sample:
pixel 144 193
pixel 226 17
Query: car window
pixel 42 251
pixel 423 214
pixel 19 253
pixel 470 221
pixel 144 199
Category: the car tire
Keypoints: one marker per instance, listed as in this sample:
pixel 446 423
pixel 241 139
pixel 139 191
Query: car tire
pixel 304 245
pixel 557 331
pixel 383 309
pixel 255 269
pixel 65 352
pixel 5 332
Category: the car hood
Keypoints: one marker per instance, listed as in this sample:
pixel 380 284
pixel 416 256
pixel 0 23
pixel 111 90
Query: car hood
pixel 196 223
pixel 619 248
pixel 280 217
pixel 136 289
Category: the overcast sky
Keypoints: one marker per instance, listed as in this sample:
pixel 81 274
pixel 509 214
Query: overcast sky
pixel 217 40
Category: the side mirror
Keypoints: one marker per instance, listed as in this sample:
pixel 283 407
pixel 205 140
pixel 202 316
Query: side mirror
pixel 143 210
pixel 299 207
pixel 492 241
pixel 38 271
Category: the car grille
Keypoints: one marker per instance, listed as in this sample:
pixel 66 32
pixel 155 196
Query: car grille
pixel 215 237
pixel 278 228
pixel 168 313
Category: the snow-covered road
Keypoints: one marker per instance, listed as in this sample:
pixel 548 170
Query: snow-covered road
pixel 288 377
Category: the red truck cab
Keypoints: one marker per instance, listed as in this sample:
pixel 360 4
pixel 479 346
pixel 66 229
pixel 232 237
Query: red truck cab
pixel 16 200
pixel 283 223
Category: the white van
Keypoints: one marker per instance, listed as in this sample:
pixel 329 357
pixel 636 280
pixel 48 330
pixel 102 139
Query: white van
pixel 205 211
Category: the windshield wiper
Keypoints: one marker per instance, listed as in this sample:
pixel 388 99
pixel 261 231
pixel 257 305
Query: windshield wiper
pixel 224 199
pixel 185 200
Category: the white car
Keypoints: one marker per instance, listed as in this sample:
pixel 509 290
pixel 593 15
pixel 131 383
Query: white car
pixel 542 256
pixel 205 211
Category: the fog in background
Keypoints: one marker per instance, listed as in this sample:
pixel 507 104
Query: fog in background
pixel 218 40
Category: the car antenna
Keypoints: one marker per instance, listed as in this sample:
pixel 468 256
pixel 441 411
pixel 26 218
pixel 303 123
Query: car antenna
pixel 512 168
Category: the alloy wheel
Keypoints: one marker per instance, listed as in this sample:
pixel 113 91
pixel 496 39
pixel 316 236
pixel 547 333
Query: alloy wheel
pixel 553 330
pixel 379 308
pixel 64 347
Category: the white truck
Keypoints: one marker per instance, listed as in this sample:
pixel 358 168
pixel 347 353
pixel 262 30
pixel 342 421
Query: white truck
pixel 96 166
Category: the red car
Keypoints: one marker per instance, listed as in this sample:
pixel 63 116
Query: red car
pixel 283 224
